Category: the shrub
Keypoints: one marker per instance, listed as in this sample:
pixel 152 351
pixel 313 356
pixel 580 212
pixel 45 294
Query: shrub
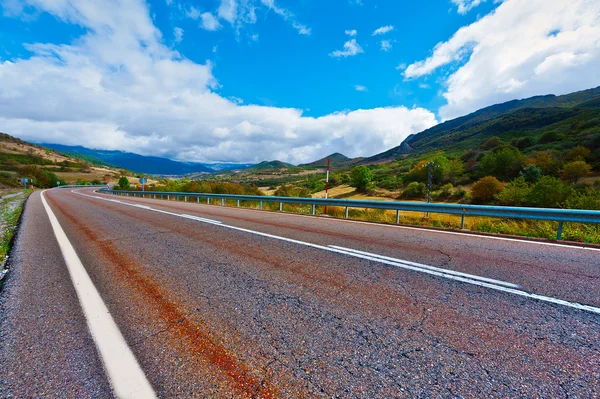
pixel 515 193
pixel 459 192
pixel 548 137
pixel 587 199
pixel 485 189
pixel 504 163
pixel 572 171
pixel 531 173
pixel 289 190
pixel 123 183
pixel 549 192
pixel 414 190
pixel 445 191
pixel 578 153
pixel 492 142
pixel 360 177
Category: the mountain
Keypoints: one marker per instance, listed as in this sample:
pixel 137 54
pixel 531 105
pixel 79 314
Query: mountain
pixel 265 165
pixel 337 161
pixel 133 162
pixel 565 120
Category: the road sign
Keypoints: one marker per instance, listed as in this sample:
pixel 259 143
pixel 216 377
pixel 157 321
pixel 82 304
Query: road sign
pixel 58 183
pixel 24 180
pixel 143 181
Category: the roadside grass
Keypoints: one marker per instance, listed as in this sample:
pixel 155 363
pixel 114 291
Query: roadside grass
pixel 11 209
pixel 579 232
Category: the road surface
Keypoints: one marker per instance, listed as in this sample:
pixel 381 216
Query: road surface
pixel 113 296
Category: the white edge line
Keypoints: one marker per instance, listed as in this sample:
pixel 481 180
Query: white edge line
pixel 514 291
pixel 124 372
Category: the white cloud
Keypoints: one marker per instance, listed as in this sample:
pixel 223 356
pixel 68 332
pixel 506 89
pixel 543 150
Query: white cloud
pixel 464 6
pixel 383 30
pixel 193 13
pixel 209 22
pixel 351 48
pixel 287 16
pixel 178 34
pixel 350 32
pixel 119 87
pixel 360 88
pixel 523 48
pixel 228 10
pixel 386 45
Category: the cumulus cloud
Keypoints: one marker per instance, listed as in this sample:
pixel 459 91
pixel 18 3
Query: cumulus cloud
pixel 360 88
pixel 209 22
pixel 351 32
pixel 178 34
pixel 228 10
pixel 523 48
pixel 118 86
pixel 351 48
pixel 386 45
pixel 383 30
pixel 464 6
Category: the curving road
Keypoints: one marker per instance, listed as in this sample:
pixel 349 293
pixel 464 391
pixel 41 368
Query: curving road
pixel 213 302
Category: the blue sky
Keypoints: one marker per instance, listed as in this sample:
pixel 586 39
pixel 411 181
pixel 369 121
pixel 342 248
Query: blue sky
pixel 248 80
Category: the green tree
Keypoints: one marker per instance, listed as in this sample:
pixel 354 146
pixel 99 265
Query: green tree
pixel 515 193
pixel 504 163
pixel 123 183
pixel 549 192
pixel 573 171
pixel 414 190
pixel 360 177
pixel 531 173
pixel 578 153
pixel 485 189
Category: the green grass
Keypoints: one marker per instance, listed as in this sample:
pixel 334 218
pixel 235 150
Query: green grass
pixel 10 218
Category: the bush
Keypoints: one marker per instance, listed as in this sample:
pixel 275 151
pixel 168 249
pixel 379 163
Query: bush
pixel 492 142
pixel 515 193
pixel 289 190
pixel 445 191
pixel 484 190
pixel 578 153
pixel 123 183
pixel 414 190
pixel 572 171
pixel 360 177
pixel 459 192
pixel 587 199
pixel 504 163
pixel 531 173
pixel 548 137
pixel 549 192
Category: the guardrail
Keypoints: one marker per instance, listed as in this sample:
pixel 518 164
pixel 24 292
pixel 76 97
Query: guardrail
pixel 550 214
pixel 81 185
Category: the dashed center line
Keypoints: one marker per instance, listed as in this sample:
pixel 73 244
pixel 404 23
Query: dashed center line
pixel 480 281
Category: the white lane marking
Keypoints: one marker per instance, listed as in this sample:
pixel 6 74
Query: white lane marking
pixel 458 233
pixel 422 266
pixel 474 280
pixel 124 373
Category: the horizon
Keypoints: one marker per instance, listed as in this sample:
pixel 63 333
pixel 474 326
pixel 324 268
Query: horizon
pixel 247 81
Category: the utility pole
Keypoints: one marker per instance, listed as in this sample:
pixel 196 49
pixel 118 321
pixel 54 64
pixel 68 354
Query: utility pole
pixel 430 165
pixel 327 183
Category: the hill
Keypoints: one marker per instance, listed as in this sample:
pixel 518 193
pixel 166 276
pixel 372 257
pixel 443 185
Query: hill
pixel 19 158
pixel 265 165
pixel 134 162
pixel 337 161
pixel 564 121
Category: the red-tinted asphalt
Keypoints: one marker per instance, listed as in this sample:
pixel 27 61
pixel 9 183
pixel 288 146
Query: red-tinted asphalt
pixel 211 311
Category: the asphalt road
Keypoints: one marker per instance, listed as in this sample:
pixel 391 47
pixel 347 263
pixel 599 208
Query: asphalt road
pixel 232 303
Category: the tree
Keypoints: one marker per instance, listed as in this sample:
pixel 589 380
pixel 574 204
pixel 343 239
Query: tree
pixel 549 192
pixel 572 171
pixel 545 160
pixel 531 173
pixel 123 183
pixel 485 189
pixel 414 190
pixel 578 153
pixel 360 177
pixel 515 193
pixel 504 163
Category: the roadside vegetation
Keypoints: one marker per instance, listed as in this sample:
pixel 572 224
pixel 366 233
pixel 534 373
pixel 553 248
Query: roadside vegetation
pixel 11 207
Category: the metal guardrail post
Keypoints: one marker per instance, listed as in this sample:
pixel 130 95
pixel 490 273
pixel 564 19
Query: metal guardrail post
pixel 238 203
pixel 560 228
pixel 314 209
pixel 281 207
pixel 397 216
pixel 346 212
pixel 222 201
pixel 207 200
pixel 261 205
pixel 462 221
